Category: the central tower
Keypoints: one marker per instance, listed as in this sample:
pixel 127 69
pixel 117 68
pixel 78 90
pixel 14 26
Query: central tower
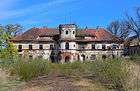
pixel 67 31
pixel 67 48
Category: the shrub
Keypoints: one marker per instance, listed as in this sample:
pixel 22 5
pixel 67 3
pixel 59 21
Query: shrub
pixel 67 72
pixel 27 69
pixel 135 58
pixel 112 71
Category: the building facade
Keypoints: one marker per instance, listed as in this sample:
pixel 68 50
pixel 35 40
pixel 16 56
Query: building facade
pixel 132 46
pixel 67 43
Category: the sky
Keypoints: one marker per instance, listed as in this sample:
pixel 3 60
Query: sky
pixel 51 13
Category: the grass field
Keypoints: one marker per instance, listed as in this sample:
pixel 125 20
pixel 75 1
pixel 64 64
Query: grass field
pixel 108 75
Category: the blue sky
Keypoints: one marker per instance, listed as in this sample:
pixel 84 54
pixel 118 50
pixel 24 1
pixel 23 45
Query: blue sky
pixel 51 13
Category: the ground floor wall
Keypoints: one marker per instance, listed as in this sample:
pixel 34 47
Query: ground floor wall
pixel 71 55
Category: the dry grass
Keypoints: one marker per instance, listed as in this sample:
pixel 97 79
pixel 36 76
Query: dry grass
pixel 6 82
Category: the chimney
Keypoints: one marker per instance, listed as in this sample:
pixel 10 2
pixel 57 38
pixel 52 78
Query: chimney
pixel 45 27
pixel 97 27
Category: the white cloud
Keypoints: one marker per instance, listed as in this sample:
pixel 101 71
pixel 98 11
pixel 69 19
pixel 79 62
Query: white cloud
pixel 6 4
pixel 6 14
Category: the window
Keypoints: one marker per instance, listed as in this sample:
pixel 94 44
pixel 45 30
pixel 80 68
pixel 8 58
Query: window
pixel 30 47
pixel 93 37
pixel 93 46
pixel 67 32
pixel 103 46
pixel 41 47
pixel 93 57
pixel 51 46
pixel 67 45
pixel 82 46
pixel 51 37
pixel 73 32
pixel 20 47
pixel 30 56
pixel 73 45
pixel 114 47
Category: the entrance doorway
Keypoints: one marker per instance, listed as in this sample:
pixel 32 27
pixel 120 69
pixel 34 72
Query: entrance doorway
pixel 52 59
pixel 67 59
pixel 82 57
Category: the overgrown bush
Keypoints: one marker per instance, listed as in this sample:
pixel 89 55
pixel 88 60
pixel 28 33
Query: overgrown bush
pixel 28 68
pixel 135 58
pixel 112 71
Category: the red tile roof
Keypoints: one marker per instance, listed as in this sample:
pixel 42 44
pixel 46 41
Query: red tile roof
pixel 33 33
pixel 128 40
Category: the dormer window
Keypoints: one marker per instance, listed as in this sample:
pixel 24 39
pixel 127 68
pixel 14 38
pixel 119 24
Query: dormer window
pixel 67 32
pixel 51 37
pixel 93 37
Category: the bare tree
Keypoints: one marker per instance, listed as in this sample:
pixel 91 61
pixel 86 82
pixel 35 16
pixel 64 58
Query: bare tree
pixel 13 30
pixel 119 28
pixel 124 31
pixel 134 24
pixel 114 27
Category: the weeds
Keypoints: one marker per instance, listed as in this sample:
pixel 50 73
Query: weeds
pixel 116 72
pixel 26 70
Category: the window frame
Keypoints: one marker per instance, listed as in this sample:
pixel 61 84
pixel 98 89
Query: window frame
pixel 82 46
pixel 30 47
pixel 51 46
pixel 67 32
pixel 41 46
pixel 114 48
pixel 67 45
pixel 19 47
pixel 104 46
pixel 93 48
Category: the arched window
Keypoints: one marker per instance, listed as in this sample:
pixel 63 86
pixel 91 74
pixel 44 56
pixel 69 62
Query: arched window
pixel 67 32
pixel 67 45
pixel 67 59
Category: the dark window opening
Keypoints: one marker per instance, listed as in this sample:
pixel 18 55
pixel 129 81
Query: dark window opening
pixel 67 32
pixel 67 45
pixel 30 47
pixel 103 46
pixel 41 47
pixel 51 46
pixel 30 56
pixel 82 46
pixel 83 57
pixel 93 57
pixel 20 47
pixel 67 59
pixel 73 32
pixel 114 47
pixel 93 46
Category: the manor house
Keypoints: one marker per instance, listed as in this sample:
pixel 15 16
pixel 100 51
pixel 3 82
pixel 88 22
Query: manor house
pixel 68 43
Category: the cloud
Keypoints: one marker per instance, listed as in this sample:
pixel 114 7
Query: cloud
pixel 6 14
pixel 6 4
